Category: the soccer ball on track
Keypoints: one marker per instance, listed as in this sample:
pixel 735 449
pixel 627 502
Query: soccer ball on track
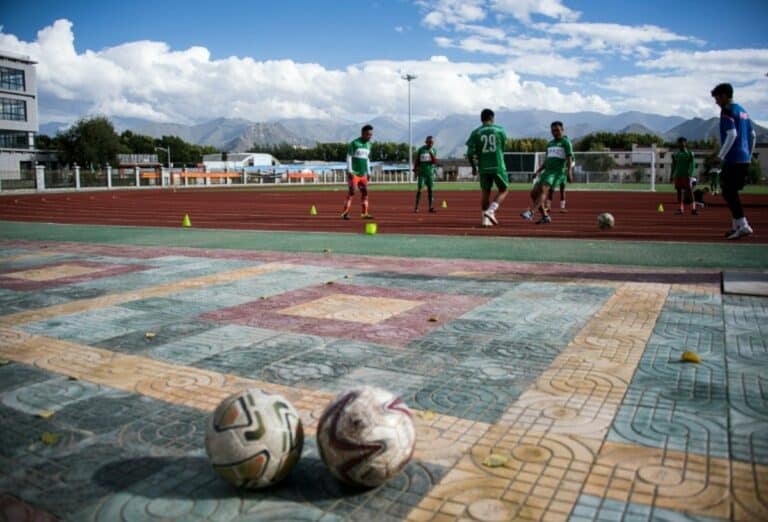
pixel 253 439
pixel 605 221
pixel 366 436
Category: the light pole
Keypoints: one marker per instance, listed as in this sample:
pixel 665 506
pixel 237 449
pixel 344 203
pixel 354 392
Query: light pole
pixel 409 78
pixel 167 151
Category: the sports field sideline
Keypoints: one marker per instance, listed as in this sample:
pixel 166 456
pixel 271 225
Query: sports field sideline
pixel 558 351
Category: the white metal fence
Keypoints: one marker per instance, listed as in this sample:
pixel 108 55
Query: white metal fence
pixel 636 170
pixel 608 169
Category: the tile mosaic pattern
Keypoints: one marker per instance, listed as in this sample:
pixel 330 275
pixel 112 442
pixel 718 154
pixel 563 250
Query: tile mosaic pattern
pixel 419 312
pixel 106 383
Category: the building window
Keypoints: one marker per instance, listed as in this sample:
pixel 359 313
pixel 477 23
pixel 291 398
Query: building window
pixel 15 110
pixel 11 79
pixel 14 139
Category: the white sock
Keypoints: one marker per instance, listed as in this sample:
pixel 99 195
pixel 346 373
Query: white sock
pixel 741 222
pixel 562 203
pixel 494 207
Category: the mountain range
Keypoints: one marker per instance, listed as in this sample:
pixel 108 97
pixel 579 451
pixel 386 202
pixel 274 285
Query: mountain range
pixel 450 132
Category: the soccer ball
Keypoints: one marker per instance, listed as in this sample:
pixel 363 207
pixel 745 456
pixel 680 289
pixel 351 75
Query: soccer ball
pixel 605 221
pixel 366 436
pixel 254 438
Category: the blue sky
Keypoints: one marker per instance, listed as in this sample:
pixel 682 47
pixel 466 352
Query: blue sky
pixel 191 61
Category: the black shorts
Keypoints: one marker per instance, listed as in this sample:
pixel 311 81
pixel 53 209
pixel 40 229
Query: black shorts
pixel 734 175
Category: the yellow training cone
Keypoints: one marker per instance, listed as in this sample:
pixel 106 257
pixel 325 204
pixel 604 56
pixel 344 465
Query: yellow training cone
pixel 313 211
pixel 445 204
pixel 186 222
pixel 661 207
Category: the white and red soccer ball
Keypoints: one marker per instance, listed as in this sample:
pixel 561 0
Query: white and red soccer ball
pixel 366 436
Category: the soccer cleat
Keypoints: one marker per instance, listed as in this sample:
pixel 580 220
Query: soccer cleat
pixel 491 216
pixel 544 220
pixel 563 210
pixel 527 215
pixel 345 215
pixel 432 211
pixel 366 216
pixel 742 231
pixel 486 223
pixel 415 210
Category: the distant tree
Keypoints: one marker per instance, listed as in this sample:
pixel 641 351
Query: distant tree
pixel 597 162
pixel 380 151
pixel 526 145
pixel 708 144
pixel 389 152
pixel 45 142
pixel 612 140
pixel 182 152
pixel 91 143
pixel 136 143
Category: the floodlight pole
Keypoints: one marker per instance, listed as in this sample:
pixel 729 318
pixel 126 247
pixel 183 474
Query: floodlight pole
pixel 409 78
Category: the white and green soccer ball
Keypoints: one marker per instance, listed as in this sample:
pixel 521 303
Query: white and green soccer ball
pixel 605 221
pixel 366 436
pixel 254 438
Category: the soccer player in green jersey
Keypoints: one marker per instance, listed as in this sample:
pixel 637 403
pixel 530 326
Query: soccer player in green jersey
pixel 358 171
pixel 560 182
pixel 486 146
pixel 556 166
pixel 683 165
pixel 426 160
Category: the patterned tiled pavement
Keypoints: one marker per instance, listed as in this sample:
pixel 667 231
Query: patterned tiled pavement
pixel 112 357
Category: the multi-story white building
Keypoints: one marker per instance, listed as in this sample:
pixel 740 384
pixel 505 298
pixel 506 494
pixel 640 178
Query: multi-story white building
pixel 18 115
pixel 236 161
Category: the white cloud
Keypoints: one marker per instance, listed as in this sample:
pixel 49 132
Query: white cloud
pixel 523 9
pixel 605 37
pixel 739 63
pixel 491 33
pixel 444 13
pixel 526 55
pixel 149 80
pixel 686 95
pixel 480 45
pixel 552 66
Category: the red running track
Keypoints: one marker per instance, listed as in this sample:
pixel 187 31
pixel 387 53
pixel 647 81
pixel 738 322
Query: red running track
pixel 636 214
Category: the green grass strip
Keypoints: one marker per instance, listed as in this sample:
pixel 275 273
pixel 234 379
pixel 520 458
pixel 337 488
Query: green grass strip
pixel 629 253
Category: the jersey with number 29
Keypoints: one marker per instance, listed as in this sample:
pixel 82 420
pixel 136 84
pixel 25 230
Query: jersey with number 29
pixel 487 143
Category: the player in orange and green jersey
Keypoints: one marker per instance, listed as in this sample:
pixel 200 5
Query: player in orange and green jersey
pixel 358 171
pixel 683 165
pixel 426 160
pixel 486 146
